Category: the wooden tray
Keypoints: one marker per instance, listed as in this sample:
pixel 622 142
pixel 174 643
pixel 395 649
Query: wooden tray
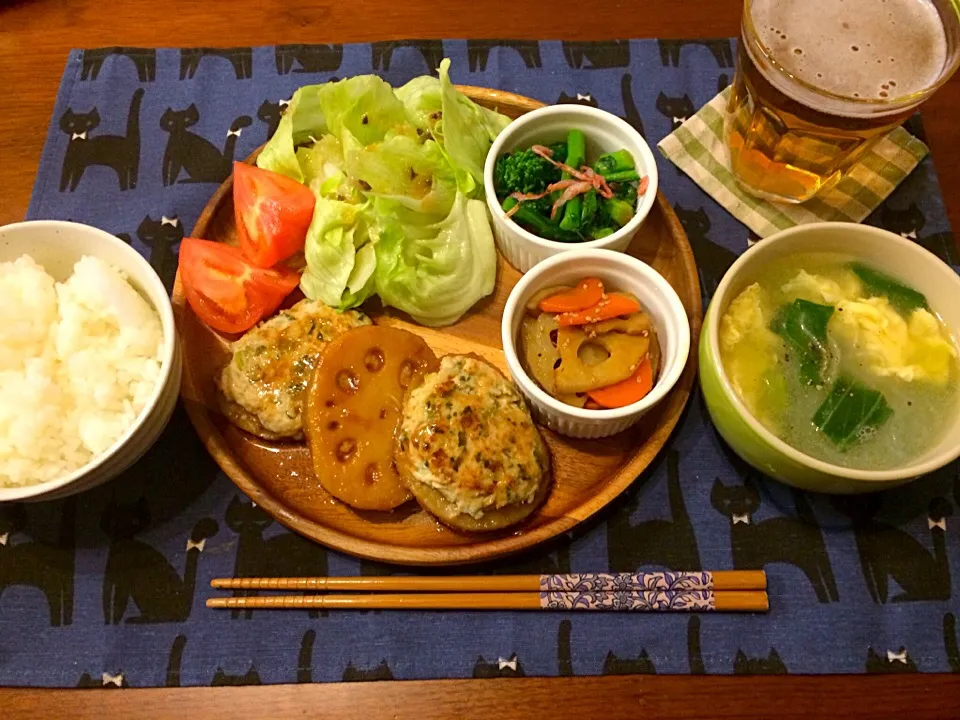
pixel 588 473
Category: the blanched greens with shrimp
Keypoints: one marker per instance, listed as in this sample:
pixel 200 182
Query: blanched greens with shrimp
pixel 551 191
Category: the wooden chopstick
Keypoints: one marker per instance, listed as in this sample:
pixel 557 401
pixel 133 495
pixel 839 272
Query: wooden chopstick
pixel 647 601
pixel 723 580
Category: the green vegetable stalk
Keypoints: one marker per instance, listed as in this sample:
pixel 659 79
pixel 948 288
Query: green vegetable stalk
pixel 590 205
pixel 615 162
pixel 537 223
pixel 617 210
pixel 576 156
pixel 622 176
pixel 585 216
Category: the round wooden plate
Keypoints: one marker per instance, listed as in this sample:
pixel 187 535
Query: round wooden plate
pixel 588 474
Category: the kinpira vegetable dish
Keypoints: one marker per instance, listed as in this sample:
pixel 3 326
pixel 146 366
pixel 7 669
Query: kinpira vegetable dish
pixel 366 191
pixel 589 347
pixel 554 193
pixel 841 361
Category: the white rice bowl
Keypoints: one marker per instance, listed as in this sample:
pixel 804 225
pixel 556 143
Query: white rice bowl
pixel 79 362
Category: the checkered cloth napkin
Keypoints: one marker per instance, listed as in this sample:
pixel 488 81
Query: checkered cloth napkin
pixel 697 148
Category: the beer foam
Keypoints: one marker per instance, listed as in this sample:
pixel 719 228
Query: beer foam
pixel 861 49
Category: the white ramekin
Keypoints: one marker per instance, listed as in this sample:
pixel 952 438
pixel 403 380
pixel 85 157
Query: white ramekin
pixel 57 246
pixel 618 271
pixel 605 133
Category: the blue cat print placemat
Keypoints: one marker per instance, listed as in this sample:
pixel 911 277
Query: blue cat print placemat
pixel 108 588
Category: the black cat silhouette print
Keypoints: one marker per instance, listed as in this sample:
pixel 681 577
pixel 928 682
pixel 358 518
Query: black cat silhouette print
pixel 195 156
pixel 478 52
pixel 87 149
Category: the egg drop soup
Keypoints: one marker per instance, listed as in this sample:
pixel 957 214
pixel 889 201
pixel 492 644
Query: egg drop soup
pixel 841 361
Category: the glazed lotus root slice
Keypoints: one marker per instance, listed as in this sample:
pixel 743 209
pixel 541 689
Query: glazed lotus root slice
pixel 353 409
pixel 588 363
pixel 538 344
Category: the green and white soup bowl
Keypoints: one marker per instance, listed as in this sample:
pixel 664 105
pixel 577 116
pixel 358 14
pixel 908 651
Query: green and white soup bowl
pixel 884 251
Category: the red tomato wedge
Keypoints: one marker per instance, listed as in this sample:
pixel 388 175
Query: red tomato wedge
pixel 613 305
pixel 225 290
pixel 626 392
pixel 587 294
pixel 272 212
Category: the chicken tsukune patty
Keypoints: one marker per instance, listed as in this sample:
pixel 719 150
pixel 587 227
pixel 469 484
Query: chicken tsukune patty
pixel 262 387
pixel 467 447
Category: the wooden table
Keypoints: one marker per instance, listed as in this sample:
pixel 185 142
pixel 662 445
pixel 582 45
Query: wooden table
pixel 35 36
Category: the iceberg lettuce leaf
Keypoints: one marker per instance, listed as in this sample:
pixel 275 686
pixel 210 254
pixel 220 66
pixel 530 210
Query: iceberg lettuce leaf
pixel 436 279
pixel 362 282
pixel 302 120
pixel 278 155
pixel 322 167
pixel 422 99
pixel 333 273
pixel 394 173
pixel 365 106
pixel 467 130
pixel 405 174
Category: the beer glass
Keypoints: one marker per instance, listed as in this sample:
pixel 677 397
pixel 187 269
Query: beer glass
pixel 819 81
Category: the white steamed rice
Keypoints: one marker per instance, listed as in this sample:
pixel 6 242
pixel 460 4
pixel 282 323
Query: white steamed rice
pixel 79 360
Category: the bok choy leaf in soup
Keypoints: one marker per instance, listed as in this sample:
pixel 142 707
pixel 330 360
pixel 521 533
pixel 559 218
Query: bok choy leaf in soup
pixel 878 284
pixel 850 411
pixel 803 324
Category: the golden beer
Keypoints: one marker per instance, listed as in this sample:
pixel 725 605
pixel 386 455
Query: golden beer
pixel 818 81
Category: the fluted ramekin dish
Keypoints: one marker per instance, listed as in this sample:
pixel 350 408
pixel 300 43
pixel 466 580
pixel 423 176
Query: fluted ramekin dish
pixel 619 272
pixel 605 133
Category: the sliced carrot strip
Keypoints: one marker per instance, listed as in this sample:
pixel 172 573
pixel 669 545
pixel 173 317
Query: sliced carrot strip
pixel 612 305
pixel 626 392
pixel 585 295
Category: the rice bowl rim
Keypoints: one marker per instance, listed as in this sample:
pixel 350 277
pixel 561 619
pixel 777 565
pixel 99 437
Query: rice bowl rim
pixel 144 280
